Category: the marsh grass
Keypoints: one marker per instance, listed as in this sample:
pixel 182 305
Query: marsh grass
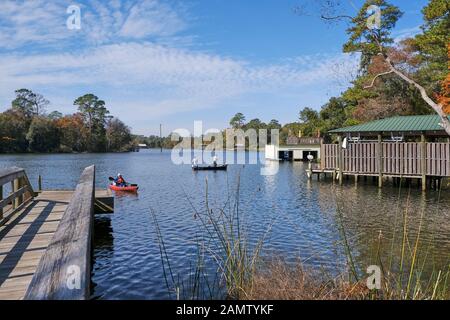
pixel 239 271
pixel 222 241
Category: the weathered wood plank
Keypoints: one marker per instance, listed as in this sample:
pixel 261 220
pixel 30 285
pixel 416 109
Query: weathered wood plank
pixel 68 254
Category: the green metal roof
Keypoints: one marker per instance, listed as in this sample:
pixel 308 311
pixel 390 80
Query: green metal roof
pixel 397 124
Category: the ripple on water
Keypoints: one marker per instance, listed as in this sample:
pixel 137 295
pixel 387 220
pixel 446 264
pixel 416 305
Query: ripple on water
pixel 306 216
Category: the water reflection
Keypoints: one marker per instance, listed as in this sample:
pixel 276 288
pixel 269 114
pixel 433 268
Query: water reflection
pixel 308 215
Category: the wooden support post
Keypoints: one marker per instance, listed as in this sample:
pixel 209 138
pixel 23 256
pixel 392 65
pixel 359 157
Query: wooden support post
pixel 1 198
pixel 356 179
pixel 40 183
pixel 322 155
pixel 380 161
pixel 14 188
pixel 340 160
pixel 21 184
pixel 423 163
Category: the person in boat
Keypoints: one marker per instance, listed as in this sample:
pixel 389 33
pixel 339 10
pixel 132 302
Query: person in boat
pixel 195 162
pixel 120 181
pixel 215 159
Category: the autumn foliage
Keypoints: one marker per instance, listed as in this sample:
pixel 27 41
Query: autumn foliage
pixel 444 97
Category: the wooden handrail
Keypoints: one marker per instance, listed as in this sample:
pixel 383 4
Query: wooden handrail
pixel 64 270
pixel 20 185
pixel 10 174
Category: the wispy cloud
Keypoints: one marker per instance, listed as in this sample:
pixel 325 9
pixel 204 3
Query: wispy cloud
pixel 406 33
pixel 153 64
pixel 41 22
pixel 130 51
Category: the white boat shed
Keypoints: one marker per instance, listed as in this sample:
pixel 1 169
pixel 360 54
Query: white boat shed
pixel 296 149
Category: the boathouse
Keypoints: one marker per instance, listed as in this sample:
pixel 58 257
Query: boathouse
pixel 410 147
pixel 295 149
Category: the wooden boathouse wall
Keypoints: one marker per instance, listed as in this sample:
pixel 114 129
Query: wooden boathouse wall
pixel 388 159
pixel 398 159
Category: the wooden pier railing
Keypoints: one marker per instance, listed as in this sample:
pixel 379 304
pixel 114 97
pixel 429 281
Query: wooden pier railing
pixel 387 159
pixel 64 270
pixel 21 192
pixel 401 158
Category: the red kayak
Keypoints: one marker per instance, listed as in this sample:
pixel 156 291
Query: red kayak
pixel 131 188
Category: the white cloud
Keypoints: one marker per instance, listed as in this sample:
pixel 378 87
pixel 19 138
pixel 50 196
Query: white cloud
pixel 126 51
pixel 148 63
pixel 150 18
pixel 42 22
pixel 406 33
pixel 177 78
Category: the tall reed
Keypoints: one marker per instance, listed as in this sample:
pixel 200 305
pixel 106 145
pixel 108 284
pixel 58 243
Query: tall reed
pixel 238 271
pixel 224 241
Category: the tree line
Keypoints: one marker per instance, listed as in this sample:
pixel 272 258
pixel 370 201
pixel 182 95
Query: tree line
pixel 27 127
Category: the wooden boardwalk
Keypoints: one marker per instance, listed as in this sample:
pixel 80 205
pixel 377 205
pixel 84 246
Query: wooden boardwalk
pixel 24 239
pixel 39 225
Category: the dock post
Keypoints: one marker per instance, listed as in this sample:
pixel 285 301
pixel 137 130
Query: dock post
pixel 340 160
pixel 356 180
pixel 21 197
pixel 423 163
pixel 14 188
pixel 39 183
pixel 1 198
pixel 380 161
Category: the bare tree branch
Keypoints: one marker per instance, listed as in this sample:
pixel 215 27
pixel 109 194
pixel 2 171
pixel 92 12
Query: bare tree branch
pixel 376 77
pixel 435 106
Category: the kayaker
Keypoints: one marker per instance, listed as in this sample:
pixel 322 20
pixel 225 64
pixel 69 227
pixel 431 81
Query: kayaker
pixel 215 159
pixel 120 181
pixel 195 162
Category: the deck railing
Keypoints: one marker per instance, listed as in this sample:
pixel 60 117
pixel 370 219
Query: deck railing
pixel 396 158
pixel 21 192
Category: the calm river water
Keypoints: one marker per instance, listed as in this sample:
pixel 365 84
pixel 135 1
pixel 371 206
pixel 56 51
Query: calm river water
pixel 306 217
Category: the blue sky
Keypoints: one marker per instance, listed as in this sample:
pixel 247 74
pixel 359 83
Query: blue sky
pixel 173 62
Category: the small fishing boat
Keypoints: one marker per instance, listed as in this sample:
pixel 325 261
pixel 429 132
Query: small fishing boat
pixel 211 168
pixel 129 188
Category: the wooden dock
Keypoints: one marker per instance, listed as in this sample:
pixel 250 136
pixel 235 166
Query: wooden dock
pixel 428 162
pixel 44 235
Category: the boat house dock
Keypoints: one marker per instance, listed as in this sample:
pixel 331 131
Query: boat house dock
pixel 410 147
pixel 295 149
pixel 46 237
